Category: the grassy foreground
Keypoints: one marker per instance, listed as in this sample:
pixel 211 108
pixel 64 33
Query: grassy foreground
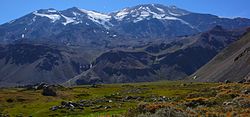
pixel 138 99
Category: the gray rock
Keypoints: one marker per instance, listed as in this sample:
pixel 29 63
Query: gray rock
pixel 227 81
pixel 49 91
pixel 54 108
pixel 247 91
pixel 242 81
pixel 107 107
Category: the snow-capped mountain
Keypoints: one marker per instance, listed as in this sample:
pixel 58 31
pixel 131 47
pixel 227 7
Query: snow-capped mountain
pixel 158 21
pixel 73 16
pixel 75 25
pixel 141 12
pixel 153 21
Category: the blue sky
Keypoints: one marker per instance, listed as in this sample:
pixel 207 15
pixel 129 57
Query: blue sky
pixel 12 9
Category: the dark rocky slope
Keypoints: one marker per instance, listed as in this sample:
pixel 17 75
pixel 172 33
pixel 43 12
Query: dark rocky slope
pixel 169 61
pixel 231 64
pixel 23 64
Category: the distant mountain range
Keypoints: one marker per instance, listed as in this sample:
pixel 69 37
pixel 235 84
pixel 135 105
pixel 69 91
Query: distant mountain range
pixel 142 43
pixel 80 26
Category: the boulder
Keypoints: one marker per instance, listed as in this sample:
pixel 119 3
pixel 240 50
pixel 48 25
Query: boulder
pixel 49 91
pixel 227 81
pixel 54 108
pixel 242 81
pixel 247 91
pixel 107 107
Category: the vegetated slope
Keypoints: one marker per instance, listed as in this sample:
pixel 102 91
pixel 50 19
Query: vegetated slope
pixel 157 61
pixel 129 100
pixel 231 64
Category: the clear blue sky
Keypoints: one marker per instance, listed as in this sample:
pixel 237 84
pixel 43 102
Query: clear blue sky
pixel 12 9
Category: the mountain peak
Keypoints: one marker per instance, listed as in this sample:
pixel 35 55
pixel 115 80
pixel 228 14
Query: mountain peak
pixel 171 8
pixel 49 10
pixel 149 11
pixel 73 9
pixel 217 28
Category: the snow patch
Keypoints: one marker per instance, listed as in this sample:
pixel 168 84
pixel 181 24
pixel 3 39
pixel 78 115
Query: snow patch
pixel 68 20
pixel 161 16
pixel 174 14
pixel 34 19
pixel 122 14
pixel 144 14
pixel 170 18
pixel 161 10
pixel 76 14
pixel 99 18
pixel 52 11
pixel 53 17
pixel 23 35
pixel 96 15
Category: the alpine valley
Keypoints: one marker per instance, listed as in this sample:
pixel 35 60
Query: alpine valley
pixel 149 42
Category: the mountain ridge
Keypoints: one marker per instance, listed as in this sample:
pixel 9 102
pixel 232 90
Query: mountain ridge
pixel 163 61
pixel 148 21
